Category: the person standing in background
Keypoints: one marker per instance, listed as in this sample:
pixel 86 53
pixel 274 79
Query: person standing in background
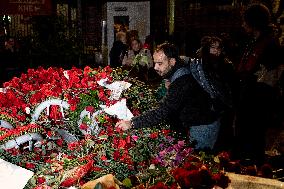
pixel 138 60
pixel 10 60
pixel 2 49
pixel 257 99
pixel 214 72
pixel 136 50
pixel 118 50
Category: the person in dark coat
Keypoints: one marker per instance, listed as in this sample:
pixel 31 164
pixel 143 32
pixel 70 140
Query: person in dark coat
pixel 10 60
pixel 214 71
pixel 118 50
pixel 186 106
pixel 2 55
pixel 258 96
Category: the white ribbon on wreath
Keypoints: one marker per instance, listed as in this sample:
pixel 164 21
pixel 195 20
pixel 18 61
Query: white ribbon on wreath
pixel 29 137
pixel 68 137
pixel 46 105
pixel 6 124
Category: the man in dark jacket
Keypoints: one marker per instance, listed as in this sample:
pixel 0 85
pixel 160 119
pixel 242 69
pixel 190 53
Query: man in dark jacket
pixel 187 107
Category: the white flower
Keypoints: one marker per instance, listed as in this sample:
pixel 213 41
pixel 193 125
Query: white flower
pixel 152 166
pixel 27 110
pixel 66 74
pixel 3 90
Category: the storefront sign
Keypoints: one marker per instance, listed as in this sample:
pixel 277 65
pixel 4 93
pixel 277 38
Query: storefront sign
pixel 26 7
pixel 120 9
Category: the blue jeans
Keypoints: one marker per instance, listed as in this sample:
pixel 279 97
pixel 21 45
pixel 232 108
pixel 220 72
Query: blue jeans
pixel 205 135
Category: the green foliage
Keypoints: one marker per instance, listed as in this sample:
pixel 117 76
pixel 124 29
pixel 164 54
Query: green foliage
pixel 140 96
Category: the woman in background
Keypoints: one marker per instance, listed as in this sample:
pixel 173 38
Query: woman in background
pixel 138 59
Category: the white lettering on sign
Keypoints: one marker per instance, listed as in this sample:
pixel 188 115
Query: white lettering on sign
pixel 30 2
pixel 27 8
pixel 120 9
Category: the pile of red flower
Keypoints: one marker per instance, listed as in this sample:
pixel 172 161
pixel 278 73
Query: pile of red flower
pixel 61 155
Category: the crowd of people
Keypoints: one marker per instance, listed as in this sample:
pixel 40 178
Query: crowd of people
pixel 128 51
pixel 217 103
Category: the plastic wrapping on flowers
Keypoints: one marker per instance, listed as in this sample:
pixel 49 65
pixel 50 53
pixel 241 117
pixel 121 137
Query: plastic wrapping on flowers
pixel 57 126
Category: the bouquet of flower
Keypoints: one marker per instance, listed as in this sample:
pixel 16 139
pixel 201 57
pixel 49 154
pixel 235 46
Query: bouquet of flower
pixel 60 124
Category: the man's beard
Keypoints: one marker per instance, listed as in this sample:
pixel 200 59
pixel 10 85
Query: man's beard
pixel 166 73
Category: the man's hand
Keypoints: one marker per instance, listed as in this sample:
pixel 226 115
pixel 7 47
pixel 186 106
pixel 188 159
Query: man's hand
pixel 167 83
pixel 124 125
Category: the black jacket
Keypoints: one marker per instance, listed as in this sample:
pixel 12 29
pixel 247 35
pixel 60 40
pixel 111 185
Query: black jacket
pixel 117 53
pixel 186 104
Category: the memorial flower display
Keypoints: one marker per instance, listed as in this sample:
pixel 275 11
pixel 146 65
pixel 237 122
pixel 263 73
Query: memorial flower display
pixel 60 125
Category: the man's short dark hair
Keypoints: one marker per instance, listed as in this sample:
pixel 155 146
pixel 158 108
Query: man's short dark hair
pixel 170 50
pixel 257 16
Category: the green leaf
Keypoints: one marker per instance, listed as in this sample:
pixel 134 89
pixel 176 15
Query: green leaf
pixel 33 181
pixel 103 137
pixel 101 119
pixel 127 183
pixel 216 159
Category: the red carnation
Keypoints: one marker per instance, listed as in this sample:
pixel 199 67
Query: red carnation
pixel 59 142
pixel 42 187
pixel 40 180
pixel 84 126
pixel 116 155
pixel 73 145
pixel 30 165
pixel 90 109
pixel 166 132
pixel 154 135
pixel 121 143
pixel 103 75
pixel 104 158
pixel 146 46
